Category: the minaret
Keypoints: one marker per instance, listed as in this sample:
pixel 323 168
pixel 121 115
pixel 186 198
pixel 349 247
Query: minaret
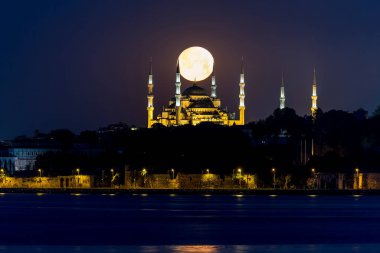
pixel 213 83
pixel 150 96
pixel 314 97
pixel 177 94
pixel 241 94
pixel 282 93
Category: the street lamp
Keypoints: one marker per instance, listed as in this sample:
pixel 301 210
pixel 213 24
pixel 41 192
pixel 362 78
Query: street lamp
pixel 112 170
pixel 239 170
pixel 357 177
pixel 314 174
pixel 208 176
pixel 78 171
pixel 274 177
pixel 40 171
pixel 144 171
pixel 172 170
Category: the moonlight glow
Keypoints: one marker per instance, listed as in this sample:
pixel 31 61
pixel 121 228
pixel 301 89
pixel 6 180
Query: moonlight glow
pixel 195 63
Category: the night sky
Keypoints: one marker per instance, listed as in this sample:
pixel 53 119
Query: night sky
pixel 83 64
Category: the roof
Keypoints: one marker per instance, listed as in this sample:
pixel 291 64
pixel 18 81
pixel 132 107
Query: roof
pixel 202 103
pixel 194 90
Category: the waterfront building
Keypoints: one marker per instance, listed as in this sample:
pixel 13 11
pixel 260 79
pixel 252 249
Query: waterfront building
pixel 21 156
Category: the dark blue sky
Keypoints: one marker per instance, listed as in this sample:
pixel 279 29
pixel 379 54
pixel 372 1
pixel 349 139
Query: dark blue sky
pixel 83 64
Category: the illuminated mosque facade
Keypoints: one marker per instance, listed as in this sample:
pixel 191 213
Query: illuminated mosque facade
pixel 194 105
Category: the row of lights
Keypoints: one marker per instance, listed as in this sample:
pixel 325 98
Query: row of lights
pixel 77 171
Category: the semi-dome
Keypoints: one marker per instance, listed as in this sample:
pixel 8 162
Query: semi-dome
pixel 201 103
pixel 194 90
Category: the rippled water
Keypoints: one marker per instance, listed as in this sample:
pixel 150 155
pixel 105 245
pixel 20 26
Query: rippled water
pixel 188 223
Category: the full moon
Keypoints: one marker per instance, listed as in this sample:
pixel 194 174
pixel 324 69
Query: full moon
pixel 195 63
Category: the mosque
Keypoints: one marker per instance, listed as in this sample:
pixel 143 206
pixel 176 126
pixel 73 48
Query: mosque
pixel 194 106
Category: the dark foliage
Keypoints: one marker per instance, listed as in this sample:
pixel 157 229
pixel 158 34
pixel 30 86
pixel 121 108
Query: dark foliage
pixel 341 142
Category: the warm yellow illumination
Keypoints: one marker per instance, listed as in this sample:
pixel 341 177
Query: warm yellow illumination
pixel 195 63
pixel 197 248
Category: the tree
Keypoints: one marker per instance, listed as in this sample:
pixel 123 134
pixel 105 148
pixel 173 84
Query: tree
pixel 376 112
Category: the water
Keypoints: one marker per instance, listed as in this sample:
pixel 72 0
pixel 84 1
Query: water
pixel 188 223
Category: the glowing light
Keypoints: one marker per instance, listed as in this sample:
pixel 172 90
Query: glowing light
pixel 196 248
pixel 195 63
pixel 312 196
pixel 273 196
pixel 239 195
pixel 40 193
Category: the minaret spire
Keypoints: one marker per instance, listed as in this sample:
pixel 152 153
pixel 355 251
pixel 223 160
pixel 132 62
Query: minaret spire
pixel 241 94
pixel 282 92
pixel 150 107
pixel 314 97
pixel 178 94
pixel 213 83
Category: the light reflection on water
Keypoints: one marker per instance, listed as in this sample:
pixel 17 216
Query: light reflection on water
pixel 299 248
pixel 196 248
pixel 189 223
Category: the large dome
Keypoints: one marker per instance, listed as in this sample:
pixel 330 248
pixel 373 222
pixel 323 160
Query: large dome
pixel 194 90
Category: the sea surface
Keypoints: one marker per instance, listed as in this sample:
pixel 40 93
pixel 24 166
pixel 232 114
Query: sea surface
pixel 188 223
